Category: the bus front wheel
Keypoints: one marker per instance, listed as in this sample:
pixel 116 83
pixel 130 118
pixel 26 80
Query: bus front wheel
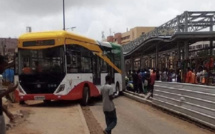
pixel 85 97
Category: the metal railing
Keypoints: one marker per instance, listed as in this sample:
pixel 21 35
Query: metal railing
pixel 193 101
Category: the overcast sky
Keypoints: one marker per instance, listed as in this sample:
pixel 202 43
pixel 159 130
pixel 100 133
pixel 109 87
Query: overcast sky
pixel 91 17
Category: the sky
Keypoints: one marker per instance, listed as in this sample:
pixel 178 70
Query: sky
pixel 91 17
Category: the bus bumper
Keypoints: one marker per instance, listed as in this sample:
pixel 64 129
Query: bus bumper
pixel 47 97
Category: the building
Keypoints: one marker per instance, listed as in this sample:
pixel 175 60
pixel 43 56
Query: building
pixel 132 34
pixel 8 47
pixel 201 46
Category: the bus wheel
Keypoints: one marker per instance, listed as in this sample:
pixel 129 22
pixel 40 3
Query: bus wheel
pixel 22 102
pixel 117 89
pixel 85 97
pixel 46 101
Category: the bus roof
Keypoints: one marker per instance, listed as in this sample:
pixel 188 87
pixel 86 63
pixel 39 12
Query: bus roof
pixel 54 34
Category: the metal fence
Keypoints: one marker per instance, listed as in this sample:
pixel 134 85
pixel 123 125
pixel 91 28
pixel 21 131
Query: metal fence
pixel 193 101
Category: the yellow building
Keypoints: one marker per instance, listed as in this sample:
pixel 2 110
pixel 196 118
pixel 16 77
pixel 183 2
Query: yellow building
pixel 132 34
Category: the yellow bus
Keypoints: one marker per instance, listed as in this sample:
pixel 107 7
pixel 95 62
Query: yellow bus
pixel 58 65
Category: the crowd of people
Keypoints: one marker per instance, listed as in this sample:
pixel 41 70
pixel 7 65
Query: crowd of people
pixel 142 81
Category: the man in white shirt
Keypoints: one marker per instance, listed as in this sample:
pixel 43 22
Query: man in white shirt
pixel 108 105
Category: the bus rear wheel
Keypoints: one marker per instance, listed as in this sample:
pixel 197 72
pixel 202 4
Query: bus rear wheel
pixel 85 97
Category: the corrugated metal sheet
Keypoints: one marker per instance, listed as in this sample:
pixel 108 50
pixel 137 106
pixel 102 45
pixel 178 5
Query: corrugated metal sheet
pixel 194 101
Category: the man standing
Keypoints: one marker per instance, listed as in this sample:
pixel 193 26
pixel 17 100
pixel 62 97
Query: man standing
pixel 2 94
pixel 108 105
pixel 152 82
pixel 135 81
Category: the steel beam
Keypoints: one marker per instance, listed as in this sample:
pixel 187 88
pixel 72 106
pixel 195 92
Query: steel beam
pixel 186 22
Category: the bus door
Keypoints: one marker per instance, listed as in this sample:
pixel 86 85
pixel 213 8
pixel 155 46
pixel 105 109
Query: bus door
pixel 96 70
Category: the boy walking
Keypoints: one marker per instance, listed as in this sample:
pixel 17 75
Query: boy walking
pixel 108 105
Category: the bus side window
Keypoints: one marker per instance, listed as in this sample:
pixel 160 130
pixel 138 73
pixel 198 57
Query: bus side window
pixel 68 58
pixel 73 59
pixel 103 66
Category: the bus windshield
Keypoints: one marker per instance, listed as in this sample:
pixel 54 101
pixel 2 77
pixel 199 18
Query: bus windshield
pixel 42 61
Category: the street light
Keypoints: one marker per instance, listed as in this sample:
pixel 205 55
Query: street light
pixel 63 15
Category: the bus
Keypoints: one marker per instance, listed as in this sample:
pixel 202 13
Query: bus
pixel 59 65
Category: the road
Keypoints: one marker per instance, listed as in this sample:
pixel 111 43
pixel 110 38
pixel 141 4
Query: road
pixel 53 118
pixel 139 118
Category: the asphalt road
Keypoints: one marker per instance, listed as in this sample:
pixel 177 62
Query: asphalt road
pixel 139 118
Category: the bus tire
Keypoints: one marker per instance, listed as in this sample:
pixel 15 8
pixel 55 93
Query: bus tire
pixel 86 96
pixel 47 101
pixel 22 102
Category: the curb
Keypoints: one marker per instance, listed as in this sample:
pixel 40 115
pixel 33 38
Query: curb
pixel 85 127
pixel 137 97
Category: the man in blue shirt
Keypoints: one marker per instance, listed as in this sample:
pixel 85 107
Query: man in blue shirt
pixel 8 75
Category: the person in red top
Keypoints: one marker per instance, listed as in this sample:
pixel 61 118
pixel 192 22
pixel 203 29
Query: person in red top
pixel 193 77
pixel 38 67
pixel 188 76
pixel 26 69
pixel 152 81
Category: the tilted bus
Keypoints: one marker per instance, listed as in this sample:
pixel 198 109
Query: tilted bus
pixel 71 67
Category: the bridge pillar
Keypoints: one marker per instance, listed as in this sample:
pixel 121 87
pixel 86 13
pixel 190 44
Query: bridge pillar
pixel 178 51
pixel 211 47
pixel 211 41
pixel 141 62
pixel 156 57
pixel 132 63
pixel 186 50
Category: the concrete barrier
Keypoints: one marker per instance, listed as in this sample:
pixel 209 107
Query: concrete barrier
pixel 191 100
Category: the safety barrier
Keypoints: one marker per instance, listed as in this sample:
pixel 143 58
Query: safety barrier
pixel 193 101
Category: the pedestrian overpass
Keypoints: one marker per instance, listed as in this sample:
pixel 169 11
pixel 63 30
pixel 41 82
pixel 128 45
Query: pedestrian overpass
pixel 176 34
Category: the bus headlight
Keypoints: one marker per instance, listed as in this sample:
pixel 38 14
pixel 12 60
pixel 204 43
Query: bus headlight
pixel 61 88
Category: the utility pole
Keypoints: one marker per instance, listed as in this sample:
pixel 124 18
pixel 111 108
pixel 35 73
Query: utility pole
pixel 64 15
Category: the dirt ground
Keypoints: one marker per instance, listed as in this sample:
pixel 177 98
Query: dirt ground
pixel 93 125
pixel 52 118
